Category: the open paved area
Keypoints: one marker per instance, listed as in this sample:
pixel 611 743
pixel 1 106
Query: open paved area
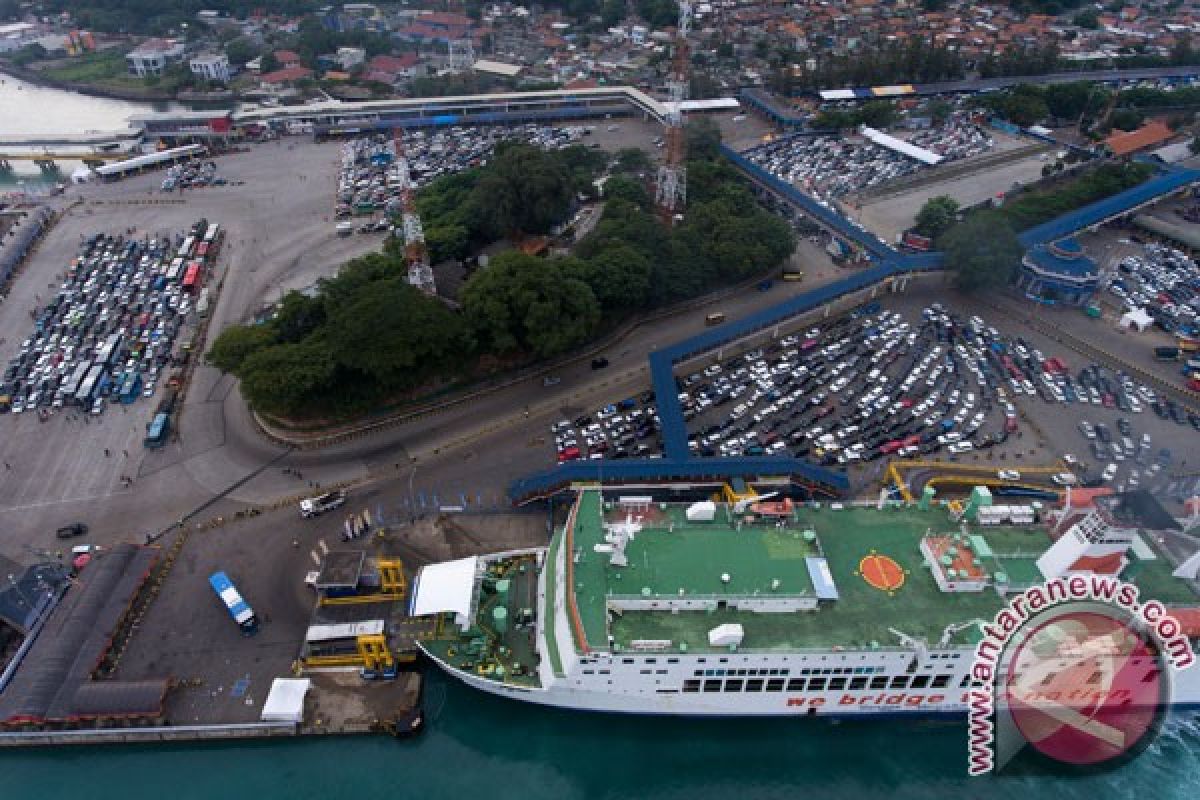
pixel 889 214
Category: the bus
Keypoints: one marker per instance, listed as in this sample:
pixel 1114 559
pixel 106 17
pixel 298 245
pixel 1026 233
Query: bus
pixel 86 392
pixel 238 608
pixel 69 388
pixel 110 350
pixel 192 278
pixel 157 430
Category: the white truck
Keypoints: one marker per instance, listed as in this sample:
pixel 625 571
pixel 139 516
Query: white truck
pixel 315 506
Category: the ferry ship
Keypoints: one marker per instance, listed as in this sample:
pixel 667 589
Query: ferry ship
pixel 761 606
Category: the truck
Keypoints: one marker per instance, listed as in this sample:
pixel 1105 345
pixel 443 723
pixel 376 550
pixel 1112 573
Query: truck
pixel 314 506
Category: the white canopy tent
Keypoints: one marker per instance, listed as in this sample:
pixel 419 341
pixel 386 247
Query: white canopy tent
pixel 1138 319
pixel 444 587
pixel 285 702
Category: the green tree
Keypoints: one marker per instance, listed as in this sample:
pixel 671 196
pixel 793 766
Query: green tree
pixel 703 139
pixel 395 335
pixel 1088 18
pixel 519 302
pixel 237 343
pixel 620 187
pixel 1069 100
pixel 936 216
pixel 877 113
pixel 1126 119
pixel 658 13
pixel 298 315
pixel 983 251
pixel 619 276
pixel 286 378
pixel 446 242
pixel 524 189
pixel 611 13
pixel 240 50
pixel 634 160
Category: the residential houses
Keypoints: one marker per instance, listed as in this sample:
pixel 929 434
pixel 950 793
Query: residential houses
pixel 153 56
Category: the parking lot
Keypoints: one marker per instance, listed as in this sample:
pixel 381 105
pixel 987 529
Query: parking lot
pixel 829 167
pixel 907 382
pixel 1162 281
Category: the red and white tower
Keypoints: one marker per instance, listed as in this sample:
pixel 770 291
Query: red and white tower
pixel 420 274
pixel 671 188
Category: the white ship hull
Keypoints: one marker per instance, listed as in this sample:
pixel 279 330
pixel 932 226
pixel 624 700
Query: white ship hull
pixel 835 704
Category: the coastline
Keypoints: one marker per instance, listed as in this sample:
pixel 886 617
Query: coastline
pixel 38 79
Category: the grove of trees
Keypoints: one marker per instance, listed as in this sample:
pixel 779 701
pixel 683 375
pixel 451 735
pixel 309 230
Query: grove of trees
pixel 366 339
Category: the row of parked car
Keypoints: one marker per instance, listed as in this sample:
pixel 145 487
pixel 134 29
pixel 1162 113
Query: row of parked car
pixel 1164 282
pixel 111 328
pixel 957 138
pixel 1116 447
pixel 192 176
pixel 628 428
pixel 831 166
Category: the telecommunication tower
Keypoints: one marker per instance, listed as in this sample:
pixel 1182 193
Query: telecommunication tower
pixel 420 274
pixel 671 189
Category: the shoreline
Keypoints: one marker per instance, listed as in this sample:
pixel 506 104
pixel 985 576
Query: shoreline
pixel 38 79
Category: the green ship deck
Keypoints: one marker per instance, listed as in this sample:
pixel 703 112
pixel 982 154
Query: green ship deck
pixel 671 554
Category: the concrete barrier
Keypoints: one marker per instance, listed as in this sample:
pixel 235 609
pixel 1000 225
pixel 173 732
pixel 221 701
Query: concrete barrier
pixel 169 733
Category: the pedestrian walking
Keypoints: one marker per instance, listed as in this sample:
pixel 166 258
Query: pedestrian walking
pixel 7 465
pixel 106 453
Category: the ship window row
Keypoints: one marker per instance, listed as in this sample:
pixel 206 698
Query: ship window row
pixel 859 683
pixel 718 673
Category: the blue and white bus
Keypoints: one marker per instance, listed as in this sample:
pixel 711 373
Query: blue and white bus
pixel 238 608
pixel 157 430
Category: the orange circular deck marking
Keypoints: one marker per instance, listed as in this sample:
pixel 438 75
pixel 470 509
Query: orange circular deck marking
pixel 881 572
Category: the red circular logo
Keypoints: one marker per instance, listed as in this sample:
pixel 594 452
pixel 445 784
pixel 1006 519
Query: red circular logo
pixel 1086 688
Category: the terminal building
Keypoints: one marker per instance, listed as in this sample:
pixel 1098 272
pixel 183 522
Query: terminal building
pixel 1058 273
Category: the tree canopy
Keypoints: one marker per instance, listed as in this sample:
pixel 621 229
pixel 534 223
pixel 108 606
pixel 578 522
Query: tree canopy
pixel 983 251
pixel 936 216
pixel 364 336
pixel 520 302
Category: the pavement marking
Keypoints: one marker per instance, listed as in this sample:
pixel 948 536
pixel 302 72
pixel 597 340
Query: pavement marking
pixel 324 547
pixel 316 558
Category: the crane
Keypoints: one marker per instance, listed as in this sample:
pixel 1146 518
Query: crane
pixel 420 274
pixel 671 188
